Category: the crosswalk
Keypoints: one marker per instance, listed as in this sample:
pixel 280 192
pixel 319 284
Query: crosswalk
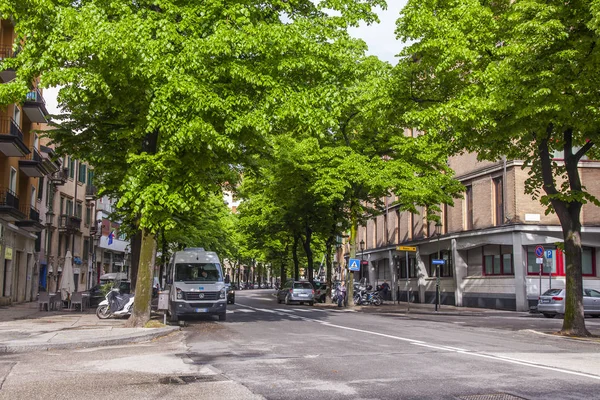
pixel 289 312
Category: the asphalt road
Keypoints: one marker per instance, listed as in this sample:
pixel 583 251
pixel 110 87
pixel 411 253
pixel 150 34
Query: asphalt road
pixel 301 352
pixel 267 350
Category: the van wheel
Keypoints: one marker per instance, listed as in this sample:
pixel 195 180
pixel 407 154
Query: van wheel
pixel 222 317
pixel 548 315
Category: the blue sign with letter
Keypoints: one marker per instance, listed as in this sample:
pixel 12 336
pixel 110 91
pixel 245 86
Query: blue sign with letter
pixel 354 264
pixel 437 262
pixel 548 253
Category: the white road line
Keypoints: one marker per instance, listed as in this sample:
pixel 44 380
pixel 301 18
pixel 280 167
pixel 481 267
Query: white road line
pixel 285 310
pixel 244 310
pixel 230 311
pixel 301 309
pixel 449 349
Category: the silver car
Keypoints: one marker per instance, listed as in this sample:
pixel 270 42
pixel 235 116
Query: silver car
pixel 296 291
pixel 552 302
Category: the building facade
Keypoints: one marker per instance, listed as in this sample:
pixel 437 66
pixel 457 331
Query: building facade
pixel 487 242
pixel 24 163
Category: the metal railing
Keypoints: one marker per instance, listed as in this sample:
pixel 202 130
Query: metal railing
pixel 9 198
pixel 34 155
pixel 31 213
pixel 6 52
pixel 91 190
pixel 69 222
pixel 8 126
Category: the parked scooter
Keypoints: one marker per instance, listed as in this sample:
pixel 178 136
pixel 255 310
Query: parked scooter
pixel 115 305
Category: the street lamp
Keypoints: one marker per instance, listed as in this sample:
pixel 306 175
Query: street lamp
pixel 438 232
pixel 362 255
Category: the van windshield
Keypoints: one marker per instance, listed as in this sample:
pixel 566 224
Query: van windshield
pixel 198 272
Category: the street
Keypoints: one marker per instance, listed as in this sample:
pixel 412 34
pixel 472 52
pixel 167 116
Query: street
pixel 301 352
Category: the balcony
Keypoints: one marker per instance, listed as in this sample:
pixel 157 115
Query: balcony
pixel 31 222
pixel 91 192
pixel 35 107
pixel 69 223
pixel 11 139
pixel 9 206
pixel 50 163
pixel 32 165
pixel 59 177
pixel 8 74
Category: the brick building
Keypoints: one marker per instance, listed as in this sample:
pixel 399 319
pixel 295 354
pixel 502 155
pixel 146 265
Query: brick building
pixel 487 241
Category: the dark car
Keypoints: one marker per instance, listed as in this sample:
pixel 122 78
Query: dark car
pixel 230 294
pixel 96 295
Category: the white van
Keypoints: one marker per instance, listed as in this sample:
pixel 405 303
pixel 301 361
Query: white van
pixel 195 284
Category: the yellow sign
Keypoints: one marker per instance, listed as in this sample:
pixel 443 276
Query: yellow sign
pixel 8 253
pixel 406 248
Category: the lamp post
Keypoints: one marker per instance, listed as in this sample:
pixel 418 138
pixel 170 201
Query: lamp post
pixel 438 232
pixel 362 255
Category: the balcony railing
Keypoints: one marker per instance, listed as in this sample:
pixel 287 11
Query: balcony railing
pixel 34 155
pixel 9 198
pixel 9 127
pixel 60 177
pixel 31 213
pixel 6 52
pixel 35 96
pixel 69 222
pixel 91 191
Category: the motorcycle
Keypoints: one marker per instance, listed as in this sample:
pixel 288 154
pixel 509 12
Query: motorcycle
pixel 115 305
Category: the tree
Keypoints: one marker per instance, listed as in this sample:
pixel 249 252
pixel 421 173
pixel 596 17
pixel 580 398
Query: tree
pixel 514 79
pixel 163 97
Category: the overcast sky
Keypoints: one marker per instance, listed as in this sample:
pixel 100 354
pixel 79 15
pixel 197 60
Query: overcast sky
pixel 379 37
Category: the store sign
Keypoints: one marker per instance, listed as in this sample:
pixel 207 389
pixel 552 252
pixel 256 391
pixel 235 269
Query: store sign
pixel 8 253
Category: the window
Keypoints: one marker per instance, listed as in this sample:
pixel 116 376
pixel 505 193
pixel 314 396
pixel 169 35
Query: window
pixel 88 215
pixel 90 177
pixel 557 263
pixel 33 197
pixel 60 244
pixel 497 260
pixel 498 201
pixel 86 248
pixel 40 188
pixel 12 183
pixel 36 142
pixel 17 115
pixel 71 165
pixel 469 208
pixel 78 210
pixel 587 262
pixel 412 269
pixel 69 209
pixel 82 173
pixel 447 269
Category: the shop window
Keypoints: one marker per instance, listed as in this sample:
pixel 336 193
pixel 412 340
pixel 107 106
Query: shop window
pixel 469 208
pixel 497 260
pixel 447 269
pixel 412 269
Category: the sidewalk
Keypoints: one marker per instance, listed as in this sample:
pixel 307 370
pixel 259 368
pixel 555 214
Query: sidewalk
pixel 24 328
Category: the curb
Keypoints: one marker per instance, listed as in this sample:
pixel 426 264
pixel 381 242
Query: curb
pixel 143 337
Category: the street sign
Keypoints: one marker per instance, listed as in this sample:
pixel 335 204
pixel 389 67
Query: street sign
pixel 539 251
pixel 354 264
pixel 437 262
pixel 539 260
pixel 548 253
pixel 364 262
pixel 406 248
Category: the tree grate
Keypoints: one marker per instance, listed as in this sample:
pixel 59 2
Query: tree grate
pixel 491 396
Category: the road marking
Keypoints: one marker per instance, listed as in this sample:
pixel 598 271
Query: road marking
pixel 301 309
pixel 244 310
pixel 230 311
pixel 448 348
pixel 286 310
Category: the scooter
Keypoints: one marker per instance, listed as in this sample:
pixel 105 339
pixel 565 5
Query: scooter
pixel 115 305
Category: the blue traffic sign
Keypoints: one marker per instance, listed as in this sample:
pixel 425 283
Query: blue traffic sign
pixel 548 253
pixel 354 264
pixel 539 251
pixel 437 262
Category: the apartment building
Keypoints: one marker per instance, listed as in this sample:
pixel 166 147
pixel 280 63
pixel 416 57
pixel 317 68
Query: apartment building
pixel 23 164
pixel 487 241
pixel 112 249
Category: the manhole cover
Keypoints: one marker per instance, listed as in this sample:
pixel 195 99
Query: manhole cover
pixel 185 379
pixel 492 396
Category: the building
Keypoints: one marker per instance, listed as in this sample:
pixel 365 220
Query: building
pixel 112 252
pixel 487 241
pixel 24 164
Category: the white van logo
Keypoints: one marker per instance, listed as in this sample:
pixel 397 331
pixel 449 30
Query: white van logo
pixel 201 296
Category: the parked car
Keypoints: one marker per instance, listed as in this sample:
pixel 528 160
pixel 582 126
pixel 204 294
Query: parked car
pixel 230 294
pixel 296 291
pixel 552 302
pixel 321 292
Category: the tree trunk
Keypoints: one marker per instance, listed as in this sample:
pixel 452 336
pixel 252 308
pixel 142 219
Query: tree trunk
pixel 136 243
pixel 329 262
pixel 295 257
pixel 309 254
pixel 143 289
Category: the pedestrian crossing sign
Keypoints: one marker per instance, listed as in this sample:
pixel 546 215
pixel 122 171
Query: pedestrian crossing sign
pixel 354 264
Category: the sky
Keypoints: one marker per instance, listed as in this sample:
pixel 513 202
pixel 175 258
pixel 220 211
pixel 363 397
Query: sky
pixel 379 37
